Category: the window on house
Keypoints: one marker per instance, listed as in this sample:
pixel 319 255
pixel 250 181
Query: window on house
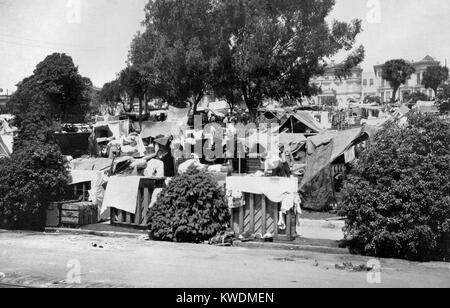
pixel 419 80
pixel 365 82
pixel 372 82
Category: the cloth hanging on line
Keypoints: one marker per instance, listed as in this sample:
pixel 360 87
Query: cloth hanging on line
pixel 121 193
pixel 276 189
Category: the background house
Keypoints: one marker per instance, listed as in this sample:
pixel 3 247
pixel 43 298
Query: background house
pixel 344 91
pixel 414 84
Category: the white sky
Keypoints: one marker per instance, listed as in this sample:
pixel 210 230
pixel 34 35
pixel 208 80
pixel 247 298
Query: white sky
pixel 32 29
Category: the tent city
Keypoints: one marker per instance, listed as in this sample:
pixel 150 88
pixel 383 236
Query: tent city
pixel 224 144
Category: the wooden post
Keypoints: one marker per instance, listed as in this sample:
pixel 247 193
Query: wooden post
pixel 241 219
pixel 252 213
pixel 137 217
pixel 288 225
pixel 264 214
pixel 146 205
pixel 275 218
pixel 84 192
pixel 120 216
pixel 239 162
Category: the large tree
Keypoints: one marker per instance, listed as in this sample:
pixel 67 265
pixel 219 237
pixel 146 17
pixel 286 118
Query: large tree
pixel 434 76
pixel 271 49
pixel 56 81
pixel 135 82
pixel 243 50
pixel 176 50
pixel 397 72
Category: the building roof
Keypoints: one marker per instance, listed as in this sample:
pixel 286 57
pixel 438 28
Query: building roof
pixel 428 59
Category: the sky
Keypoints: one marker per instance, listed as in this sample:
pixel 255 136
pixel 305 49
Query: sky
pixel 97 33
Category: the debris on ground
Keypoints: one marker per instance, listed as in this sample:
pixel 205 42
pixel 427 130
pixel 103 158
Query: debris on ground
pixel 222 239
pixel 353 268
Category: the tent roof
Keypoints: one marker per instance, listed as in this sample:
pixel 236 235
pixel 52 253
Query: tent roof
pixel 306 118
pixel 343 140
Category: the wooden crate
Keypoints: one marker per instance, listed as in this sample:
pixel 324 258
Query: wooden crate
pixel 260 216
pixel 138 220
pixel 78 214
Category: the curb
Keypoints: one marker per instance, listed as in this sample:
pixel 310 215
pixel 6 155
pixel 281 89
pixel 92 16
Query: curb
pixel 292 247
pixel 93 233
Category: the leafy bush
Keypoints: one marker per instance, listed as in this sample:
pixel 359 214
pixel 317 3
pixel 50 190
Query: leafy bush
pixel 30 180
pixel 191 209
pixel 397 198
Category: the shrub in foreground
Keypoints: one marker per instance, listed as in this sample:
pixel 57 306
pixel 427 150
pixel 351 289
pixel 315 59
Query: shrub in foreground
pixel 30 180
pixel 397 199
pixel 191 209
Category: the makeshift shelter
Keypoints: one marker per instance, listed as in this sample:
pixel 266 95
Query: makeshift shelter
pixel 269 116
pixel 73 144
pixel 113 129
pixel 301 122
pixel 323 150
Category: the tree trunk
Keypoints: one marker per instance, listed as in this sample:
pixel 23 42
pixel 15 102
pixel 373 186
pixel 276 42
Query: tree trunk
pixel 394 94
pixel 140 114
pixel 146 105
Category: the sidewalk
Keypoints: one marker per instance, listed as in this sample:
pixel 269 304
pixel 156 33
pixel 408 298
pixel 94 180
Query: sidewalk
pixel 316 236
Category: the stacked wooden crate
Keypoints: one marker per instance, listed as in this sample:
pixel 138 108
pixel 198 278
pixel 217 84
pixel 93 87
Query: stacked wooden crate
pixel 78 214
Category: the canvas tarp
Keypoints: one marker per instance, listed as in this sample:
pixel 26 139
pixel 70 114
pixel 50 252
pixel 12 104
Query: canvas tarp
pixel 317 184
pixel 342 141
pixel 178 115
pixel 116 129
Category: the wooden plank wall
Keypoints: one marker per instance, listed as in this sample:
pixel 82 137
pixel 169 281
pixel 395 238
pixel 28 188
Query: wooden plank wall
pixel 260 216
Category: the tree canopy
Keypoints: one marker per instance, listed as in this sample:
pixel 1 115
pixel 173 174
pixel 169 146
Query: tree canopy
pixel 434 76
pixel 397 72
pixel 56 84
pixel 242 50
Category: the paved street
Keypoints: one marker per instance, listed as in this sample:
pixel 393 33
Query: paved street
pixel 48 260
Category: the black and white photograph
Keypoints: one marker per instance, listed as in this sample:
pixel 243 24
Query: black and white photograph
pixel 207 147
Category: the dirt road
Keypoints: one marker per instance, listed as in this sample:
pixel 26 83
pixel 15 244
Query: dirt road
pixel 37 259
